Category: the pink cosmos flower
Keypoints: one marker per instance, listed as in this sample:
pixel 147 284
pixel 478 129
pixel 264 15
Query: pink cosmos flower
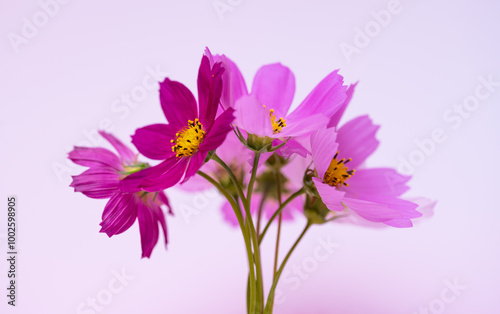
pixel 342 183
pixel 192 132
pixel 102 180
pixel 266 110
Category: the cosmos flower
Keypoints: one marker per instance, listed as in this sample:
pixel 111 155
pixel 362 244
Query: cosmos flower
pixel 341 182
pixel 265 111
pixel 191 133
pixel 101 181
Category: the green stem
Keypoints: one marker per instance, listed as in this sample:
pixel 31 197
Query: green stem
pixel 253 234
pixel 248 217
pixel 239 216
pixel 276 252
pixel 278 274
pixel 278 211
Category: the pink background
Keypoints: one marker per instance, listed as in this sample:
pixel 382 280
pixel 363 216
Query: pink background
pixel 69 77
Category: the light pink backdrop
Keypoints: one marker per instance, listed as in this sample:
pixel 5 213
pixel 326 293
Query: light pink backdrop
pixel 59 85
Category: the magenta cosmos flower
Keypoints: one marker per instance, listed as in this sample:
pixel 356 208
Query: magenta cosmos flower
pixel 342 183
pixel 193 131
pixel 101 181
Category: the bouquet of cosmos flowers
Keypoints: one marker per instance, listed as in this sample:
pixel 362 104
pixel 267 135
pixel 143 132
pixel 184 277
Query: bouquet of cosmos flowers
pixel 269 162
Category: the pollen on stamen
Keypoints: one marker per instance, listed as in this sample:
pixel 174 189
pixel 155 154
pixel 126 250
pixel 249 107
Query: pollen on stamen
pixel 277 125
pixel 188 139
pixel 337 172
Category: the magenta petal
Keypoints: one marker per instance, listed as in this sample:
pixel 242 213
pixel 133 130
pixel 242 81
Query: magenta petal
pixel 95 157
pixel 274 87
pixel 334 121
pixel 378 182
pixel 178 103
pixel 233 83
pixel 357 140
pixel 323 149
pixel 97 182
pixel 217 134
pixel 148 226
pixel 125 153
pixel 157 178
pixel 154 141
pixel 330 196
pixel 209 90
pixel 194 164
pixel 119 214
pixel 326 98
pixel 252 117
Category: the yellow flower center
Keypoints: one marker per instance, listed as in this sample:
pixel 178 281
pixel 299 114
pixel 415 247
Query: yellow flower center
pixel 277 125
pixel 337 172
pixel 188 139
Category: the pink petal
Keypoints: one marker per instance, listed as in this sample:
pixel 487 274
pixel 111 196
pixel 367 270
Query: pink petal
pixel 291 147
pixel 302 125
pixel 334 120
pixel 330 196
pixel 323 149
pixel 357 140
pixel 252 117
pixel 154 141
pixel 234 85
pixel 326 98
pixel 274 87
pixel 377 182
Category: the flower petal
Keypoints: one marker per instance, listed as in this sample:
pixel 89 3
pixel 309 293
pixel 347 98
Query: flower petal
pixel 274 87
pixel 291 147
pixel 323 149
pixel 97 182
pixel 119 214
pixel 234 85
pixel 334 120
pixel 157 178
pixel 326 98
pixel 252 117
pixel 154 141
pixel 391 212
pixel 217 134
pixel 297 126
pixel 178 103
pixel 149 215
pixel 194 164
pixel 377 182
pixel 125 153
pixel 95 157
pixel 330 196
pixel 357 140
pixel 209 90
